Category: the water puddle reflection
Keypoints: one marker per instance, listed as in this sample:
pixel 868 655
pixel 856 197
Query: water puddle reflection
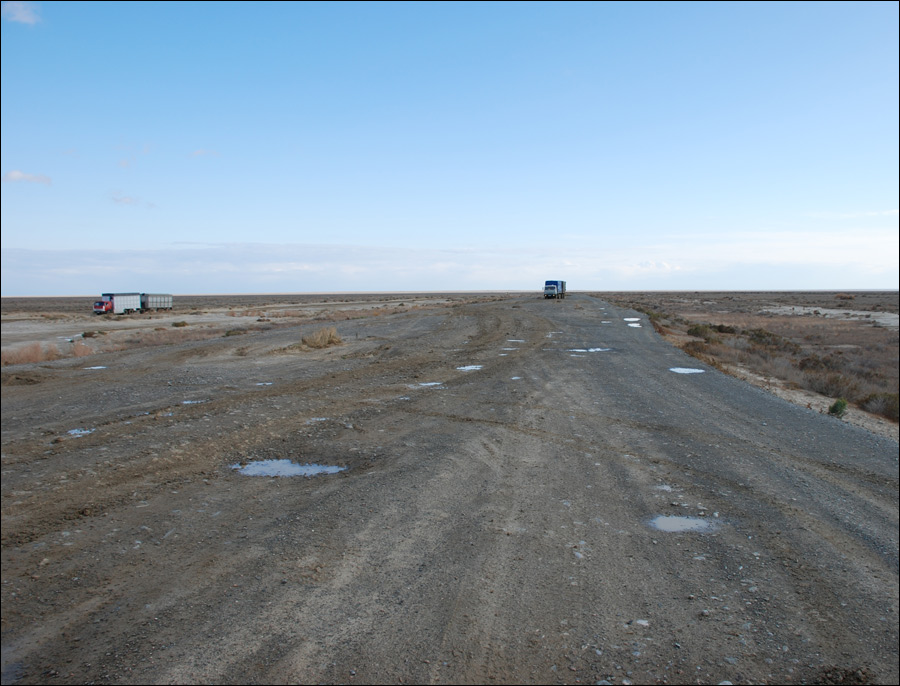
pixel 674 524
pixel 285 468
pixel 685 370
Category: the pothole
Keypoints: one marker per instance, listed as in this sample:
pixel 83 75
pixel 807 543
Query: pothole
pixel 673 524
pixel 285 468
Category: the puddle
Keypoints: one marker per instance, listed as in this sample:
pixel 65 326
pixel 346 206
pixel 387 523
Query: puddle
pixel 285 468
pixel 80 432
pixel 514 340
pixel 685 370
pixel 886 319
pixel 192 402
pixel 508 348
pixel 589 350
pixel 430 383
pixel 674 524
pixel 95 367
pixel 632 319
pixel 470 368
pixel 516 378
pixel 635 326
pixel 264 383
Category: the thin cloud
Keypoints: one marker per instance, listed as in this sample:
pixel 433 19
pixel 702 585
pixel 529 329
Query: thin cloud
pixel 21 12
pixel 16 176
pixel 120 198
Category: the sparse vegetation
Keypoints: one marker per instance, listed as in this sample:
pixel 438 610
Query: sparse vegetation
pixel 29 354
pixel 852 360
pixel 179 324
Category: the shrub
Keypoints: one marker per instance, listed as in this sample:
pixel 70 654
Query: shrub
pixel 838 408
pixel 884 404
pixel 322 338
pixel 767 339
pixel 834 385
pixel 696 348
pixel 179 324
pixel 700 331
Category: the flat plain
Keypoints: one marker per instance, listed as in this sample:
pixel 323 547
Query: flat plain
pixel 512 490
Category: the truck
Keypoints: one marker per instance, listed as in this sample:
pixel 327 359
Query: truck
pixel 155 301
pixel 126 303
pixel 555 289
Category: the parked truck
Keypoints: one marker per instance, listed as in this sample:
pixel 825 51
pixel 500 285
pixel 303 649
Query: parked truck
pixel 156 301
pixel 126 303
pixel 555 289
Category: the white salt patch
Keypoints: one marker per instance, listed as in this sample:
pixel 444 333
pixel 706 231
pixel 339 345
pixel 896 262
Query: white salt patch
pixel 470 368
pixel 685 370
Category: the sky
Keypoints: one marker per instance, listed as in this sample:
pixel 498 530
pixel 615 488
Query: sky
pixel 260 147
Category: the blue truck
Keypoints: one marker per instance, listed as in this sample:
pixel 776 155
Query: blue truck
pixel 555 289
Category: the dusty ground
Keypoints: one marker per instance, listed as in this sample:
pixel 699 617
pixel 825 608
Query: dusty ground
pixel 506 461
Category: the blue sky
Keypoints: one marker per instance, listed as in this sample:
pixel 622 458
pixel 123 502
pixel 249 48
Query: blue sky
pixel 257 147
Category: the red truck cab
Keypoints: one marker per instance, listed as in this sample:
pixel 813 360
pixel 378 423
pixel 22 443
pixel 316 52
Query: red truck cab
pixel 103 306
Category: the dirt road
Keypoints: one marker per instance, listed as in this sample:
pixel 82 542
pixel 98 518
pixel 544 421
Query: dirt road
pixel 530 494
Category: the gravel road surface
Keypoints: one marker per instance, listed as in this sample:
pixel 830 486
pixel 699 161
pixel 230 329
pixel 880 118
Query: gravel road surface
pixel 530 491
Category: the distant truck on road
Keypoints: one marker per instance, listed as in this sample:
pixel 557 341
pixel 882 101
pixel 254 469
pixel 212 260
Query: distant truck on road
pixel 126 303
pixel 555 289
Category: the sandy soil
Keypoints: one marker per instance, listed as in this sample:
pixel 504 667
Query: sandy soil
pixel 528 494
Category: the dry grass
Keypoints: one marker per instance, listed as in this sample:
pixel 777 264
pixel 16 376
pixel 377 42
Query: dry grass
pixel 30 353
pixel 322 338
